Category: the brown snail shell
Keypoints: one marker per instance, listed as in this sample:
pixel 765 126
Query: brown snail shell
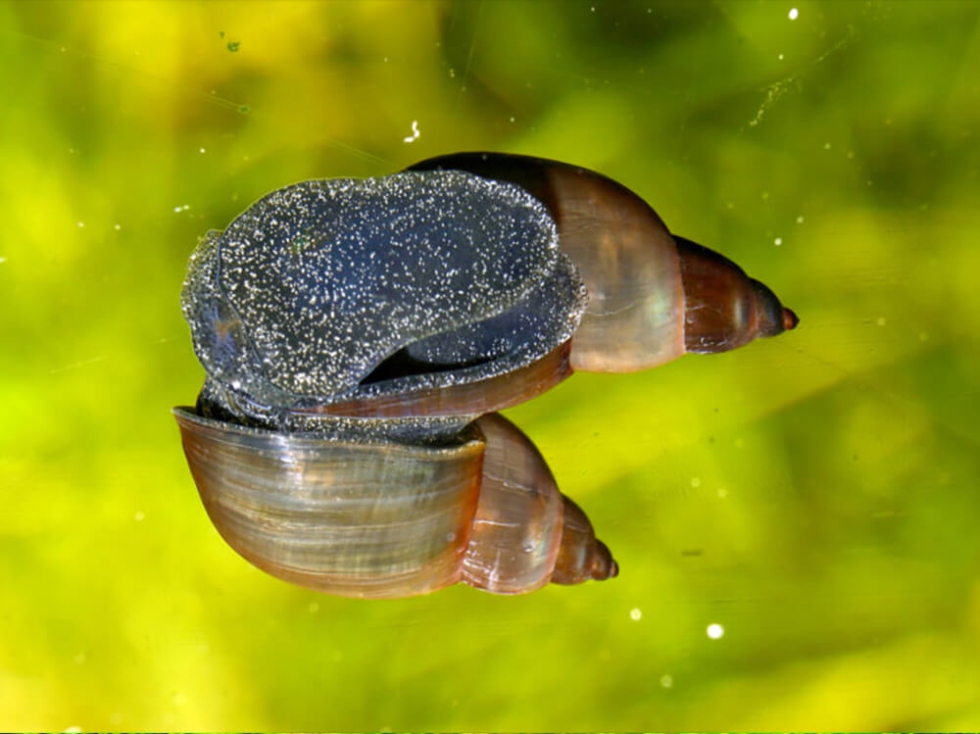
pixel 358 337
pixel 384 520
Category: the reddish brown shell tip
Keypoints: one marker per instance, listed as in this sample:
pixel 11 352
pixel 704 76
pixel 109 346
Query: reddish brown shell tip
pixel 603 565
pixel 790 319
pixel 581 555
pixel 607 568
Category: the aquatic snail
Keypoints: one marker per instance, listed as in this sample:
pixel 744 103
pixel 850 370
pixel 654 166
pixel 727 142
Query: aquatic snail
pixel 359 337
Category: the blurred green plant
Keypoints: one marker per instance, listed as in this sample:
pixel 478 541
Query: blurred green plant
pixel 813 496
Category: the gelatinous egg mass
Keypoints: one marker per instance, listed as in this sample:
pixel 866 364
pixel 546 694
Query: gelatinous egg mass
pixel 329 289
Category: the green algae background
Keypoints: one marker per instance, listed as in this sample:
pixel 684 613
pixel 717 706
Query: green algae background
pixel 796 521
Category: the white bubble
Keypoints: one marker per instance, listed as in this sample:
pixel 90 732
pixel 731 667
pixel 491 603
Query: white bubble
pixel 778 241
pixel 635 614
pixel 794 13
pixel 715 631
pixel 667 681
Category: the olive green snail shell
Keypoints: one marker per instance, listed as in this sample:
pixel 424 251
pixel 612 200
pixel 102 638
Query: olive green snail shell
pixel 359 336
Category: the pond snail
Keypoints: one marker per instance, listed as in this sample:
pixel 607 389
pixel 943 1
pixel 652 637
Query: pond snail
pixel 358 337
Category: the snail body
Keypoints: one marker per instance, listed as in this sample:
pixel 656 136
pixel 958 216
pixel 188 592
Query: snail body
pixel 359 336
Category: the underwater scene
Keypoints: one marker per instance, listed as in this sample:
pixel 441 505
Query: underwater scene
pixel 786 531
